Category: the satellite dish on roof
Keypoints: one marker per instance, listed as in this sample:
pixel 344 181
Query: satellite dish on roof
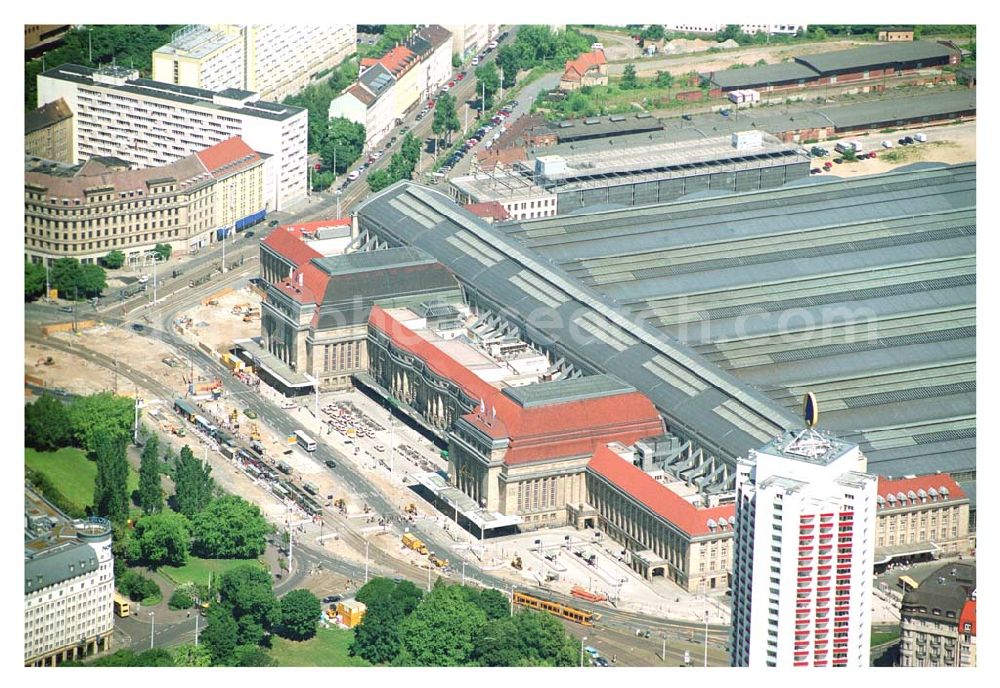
pixel 810 409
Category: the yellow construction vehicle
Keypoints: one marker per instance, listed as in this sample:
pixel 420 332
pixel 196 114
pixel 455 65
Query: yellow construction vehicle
pixel 411 509
pixel 254 432
pixel 411 541
pixel 516 563
pixel 438 561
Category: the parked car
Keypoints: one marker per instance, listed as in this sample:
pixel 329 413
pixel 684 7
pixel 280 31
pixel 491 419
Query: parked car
pixel 887 144
pixel 135 326
pixel 909 140
pixel 828 166
pixel 445 88
pixel 248 234
pixel 353 175
pixel 330 599
pixel 461 75
pixel 392 140
pixel 815 170
pixel 403 130
pixel 600 661
pixel 592 651
pixel 475 61
pixel 66 309
pixel 272 223
pixel 451 84
pixel 838 160
pixel 399 120
pixel 902 142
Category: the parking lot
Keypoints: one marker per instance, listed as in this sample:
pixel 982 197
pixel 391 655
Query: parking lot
pixel 954 143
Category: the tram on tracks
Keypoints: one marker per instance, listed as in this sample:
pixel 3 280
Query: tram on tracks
pixel 564 611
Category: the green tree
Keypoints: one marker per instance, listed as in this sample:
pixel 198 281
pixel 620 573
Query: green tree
pixel 220 635
pixel 150 489
pixel 110 490
pixel 229 527
pixel 445 117
pixel 664 80
pixel 181 599
pixel 163 539
pixel 346 139
pixel 528 638
pixel 46 424
pixel 629 80
pixel 732 31
pixel 300 610
pixel 65 275
pixel 163 251
pixel 136 586
pixel 93 280
pixel 246 590
pixel 192 656
pixel 760 63
pixel 34 280
pixel 193 484
pixel 101 415
pixel 507 60
pixel 377 638
pixel 378 588
pixel 378 180
pixel 493 603
pixel 321 181
pixel 114 260
pixel 253 656
pixel 456 61
pixel 442 630
pixel 488 77
pixel 410 148
pixel 653 32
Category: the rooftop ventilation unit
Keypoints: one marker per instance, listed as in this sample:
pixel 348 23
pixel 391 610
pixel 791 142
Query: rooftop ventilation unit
pixel 565 125
pixel 617 118
pixel 643 115
pixel 592 120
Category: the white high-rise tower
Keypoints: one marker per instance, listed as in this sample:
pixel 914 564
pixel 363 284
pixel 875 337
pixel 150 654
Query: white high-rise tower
pixel 802 563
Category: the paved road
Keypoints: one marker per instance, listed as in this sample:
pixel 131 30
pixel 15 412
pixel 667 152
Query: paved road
pixel 525 98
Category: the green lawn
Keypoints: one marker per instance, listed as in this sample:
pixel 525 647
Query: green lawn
pixel 71 473
pixel 879 637
pixel 197 570
pixel 327 648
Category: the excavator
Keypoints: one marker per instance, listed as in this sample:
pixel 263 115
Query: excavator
pixel 516 562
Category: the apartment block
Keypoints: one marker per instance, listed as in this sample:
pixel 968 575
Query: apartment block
pixel 274 60
pixel 150 124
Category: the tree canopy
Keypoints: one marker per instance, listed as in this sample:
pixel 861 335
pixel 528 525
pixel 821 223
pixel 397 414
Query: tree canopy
pixel 46 424
pixel 74 280
pixel 193 484
pixel 488 78
pixel 110 485
pixel 629 80
pixel 229 527
pixel 442 630
pixel 247 592
pixel 113 260
pixel 150 488
pixel 163 539
pixel 346 139
pixel 101 415
pixel 300 611
pixel 445 117
pixel 220 635
pixel 34 280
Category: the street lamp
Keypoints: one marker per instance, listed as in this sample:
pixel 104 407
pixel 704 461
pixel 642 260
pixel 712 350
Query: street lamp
pixel 582 641
pixel 152 630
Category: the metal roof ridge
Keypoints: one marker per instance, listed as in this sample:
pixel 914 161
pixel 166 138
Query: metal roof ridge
pixel 639 329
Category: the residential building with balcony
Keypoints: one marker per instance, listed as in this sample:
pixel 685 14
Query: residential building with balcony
pixel 937 620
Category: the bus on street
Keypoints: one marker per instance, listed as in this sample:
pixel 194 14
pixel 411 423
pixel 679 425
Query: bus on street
pixel 305 441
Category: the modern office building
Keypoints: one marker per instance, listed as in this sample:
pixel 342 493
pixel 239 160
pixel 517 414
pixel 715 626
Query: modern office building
pixel 149 123
pixel 274 60
pixel 69 583
pixel 938 619
pixel 84 211
pixel 803 555
pixel 48 132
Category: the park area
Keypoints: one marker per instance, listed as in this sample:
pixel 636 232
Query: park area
pixel 327 648
pixel 72 473
pixel 198 570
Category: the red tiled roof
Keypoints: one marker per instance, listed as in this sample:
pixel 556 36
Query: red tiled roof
pixel 491 209
pixel 538 433
pixel 924 482
pixel 287 243
pixel 368 61
pixel 968 615
pixel 225 153
pixel 656 497
pixel 398 60
pixel 583 63
pixel 313 286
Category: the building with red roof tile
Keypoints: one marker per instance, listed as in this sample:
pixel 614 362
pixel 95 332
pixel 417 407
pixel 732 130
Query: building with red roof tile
pixel 517 443
pixel 491 211
pixel 665 533
pixel 967 634
pixel 589 69
pixel 920 517
pixel 937 618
